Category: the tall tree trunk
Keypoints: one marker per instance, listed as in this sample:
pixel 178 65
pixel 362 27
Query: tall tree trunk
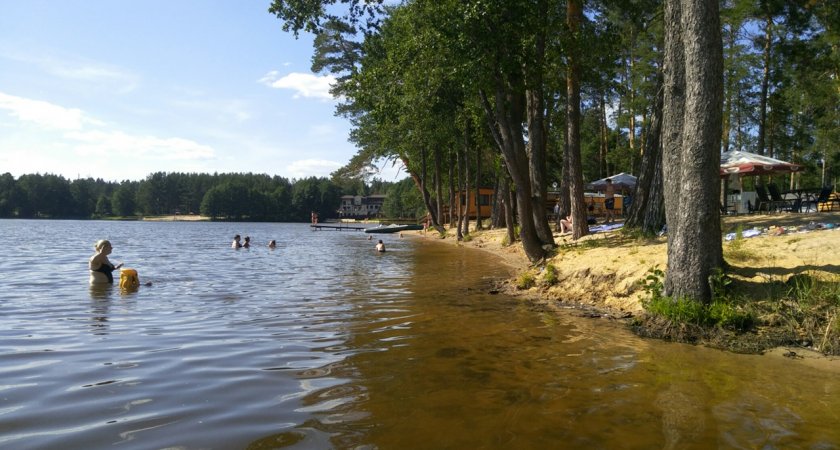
pixel 510 207
pixel 631 108
pixel 478 188
pixel 537 139
pixel 648 209
pixel 580 228
pixel 466 191
pixel 451 188
pixel 438 183
pixel 604 138
pixel 507 113
pixel 420 182
pixel 460 161
pixel 497 211
pixel 765 84
pixel 565 181
pixel 692 109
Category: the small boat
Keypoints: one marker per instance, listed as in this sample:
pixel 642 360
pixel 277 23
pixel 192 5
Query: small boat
pixel 393 228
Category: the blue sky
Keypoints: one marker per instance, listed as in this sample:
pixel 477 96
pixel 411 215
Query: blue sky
pixel 118 90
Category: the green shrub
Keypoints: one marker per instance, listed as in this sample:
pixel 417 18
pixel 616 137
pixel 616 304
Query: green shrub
pixel 550 275
pixel 525 280
pixel 721 312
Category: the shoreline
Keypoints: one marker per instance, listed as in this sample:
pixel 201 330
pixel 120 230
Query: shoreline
pixel 600 274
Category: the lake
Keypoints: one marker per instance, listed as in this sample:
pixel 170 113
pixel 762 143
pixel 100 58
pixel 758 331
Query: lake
pixel 324 343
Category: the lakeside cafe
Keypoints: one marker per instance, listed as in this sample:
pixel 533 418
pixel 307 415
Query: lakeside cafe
pixel 735 164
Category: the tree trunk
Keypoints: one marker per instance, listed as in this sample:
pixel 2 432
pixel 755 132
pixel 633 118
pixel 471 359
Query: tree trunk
pixel 466 183
pixel 605 135
pixel 579 213
pixel 692 110
pixel 765 84
pixel 420 182
pixel 497 211
pixel 510 206
pixel 451 188
pixel 438 184
pixel 460 208
pixel 507 113
pixel 477 188
pixel 648 209
pixel 535 98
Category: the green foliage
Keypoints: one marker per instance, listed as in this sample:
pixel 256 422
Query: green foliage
pixel 550 275
pixel 525 280
pixel 403 201
pixel 721 312
pixel 220 196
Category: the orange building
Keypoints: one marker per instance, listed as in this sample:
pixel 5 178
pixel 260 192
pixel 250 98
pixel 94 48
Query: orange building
pixel 485 203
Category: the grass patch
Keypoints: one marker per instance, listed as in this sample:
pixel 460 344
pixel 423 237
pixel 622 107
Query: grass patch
pixel 525 280
pixel 549 277
pixel 734 250
pixel 802 311
pixel 723 311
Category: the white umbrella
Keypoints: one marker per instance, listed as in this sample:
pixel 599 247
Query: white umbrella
pixel 620 181
pixel 746 163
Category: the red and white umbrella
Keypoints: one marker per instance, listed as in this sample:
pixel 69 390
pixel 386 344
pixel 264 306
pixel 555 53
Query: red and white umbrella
pixel 746 163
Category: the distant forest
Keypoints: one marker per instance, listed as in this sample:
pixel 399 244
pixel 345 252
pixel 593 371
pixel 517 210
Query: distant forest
pixel 231 196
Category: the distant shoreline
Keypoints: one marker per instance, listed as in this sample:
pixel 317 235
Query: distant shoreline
pixel 176 218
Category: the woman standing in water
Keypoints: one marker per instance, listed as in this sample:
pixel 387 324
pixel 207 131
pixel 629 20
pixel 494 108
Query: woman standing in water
pixel 99 265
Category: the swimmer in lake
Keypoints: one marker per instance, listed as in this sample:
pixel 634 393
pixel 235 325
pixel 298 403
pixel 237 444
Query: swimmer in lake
pixel 236 243
pixel 380 247
pixel 247 243
pixel 100 267
pixel 272 243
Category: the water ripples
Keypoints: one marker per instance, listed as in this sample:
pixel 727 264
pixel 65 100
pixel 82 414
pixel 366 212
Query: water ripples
pixel 322 343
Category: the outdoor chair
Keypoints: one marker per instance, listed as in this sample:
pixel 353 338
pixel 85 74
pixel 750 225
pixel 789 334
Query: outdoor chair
pixel 763 203
pixel 780 203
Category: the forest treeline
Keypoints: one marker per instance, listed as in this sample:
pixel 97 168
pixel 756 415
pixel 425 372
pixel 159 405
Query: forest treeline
pixel 545 92
pixel 250 197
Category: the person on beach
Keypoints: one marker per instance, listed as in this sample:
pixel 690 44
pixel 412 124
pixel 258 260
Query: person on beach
pixel 236 243
pixel 380 247
pixel 272 243
pixel 247 243
pixel 100 267
pixel 566 224
pixel 609 201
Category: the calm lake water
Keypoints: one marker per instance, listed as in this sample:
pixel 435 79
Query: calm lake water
pixel 323 343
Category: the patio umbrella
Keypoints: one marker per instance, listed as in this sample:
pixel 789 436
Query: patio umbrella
pixel 621 181
pixel 746 163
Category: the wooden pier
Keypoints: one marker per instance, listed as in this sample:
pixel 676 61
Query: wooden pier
pixel 336 227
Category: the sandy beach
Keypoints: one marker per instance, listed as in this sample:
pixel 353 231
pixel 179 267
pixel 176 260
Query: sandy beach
pixel 603 271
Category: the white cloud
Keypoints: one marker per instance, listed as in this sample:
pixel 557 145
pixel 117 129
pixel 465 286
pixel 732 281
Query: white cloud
pixel 304 84
pixel 84 136
pixel 75 68
pixel 44 114
pixel 312 167
pixel 102 143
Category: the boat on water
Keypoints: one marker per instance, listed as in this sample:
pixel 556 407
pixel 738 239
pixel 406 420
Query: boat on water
pixel 393 228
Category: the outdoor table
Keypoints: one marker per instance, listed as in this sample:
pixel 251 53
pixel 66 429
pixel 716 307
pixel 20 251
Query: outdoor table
pixel 806 197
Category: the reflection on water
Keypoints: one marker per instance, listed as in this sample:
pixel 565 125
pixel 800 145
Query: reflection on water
pixel 323 343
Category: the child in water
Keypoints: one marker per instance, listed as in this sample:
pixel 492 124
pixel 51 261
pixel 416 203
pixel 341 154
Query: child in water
pixel 380 247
